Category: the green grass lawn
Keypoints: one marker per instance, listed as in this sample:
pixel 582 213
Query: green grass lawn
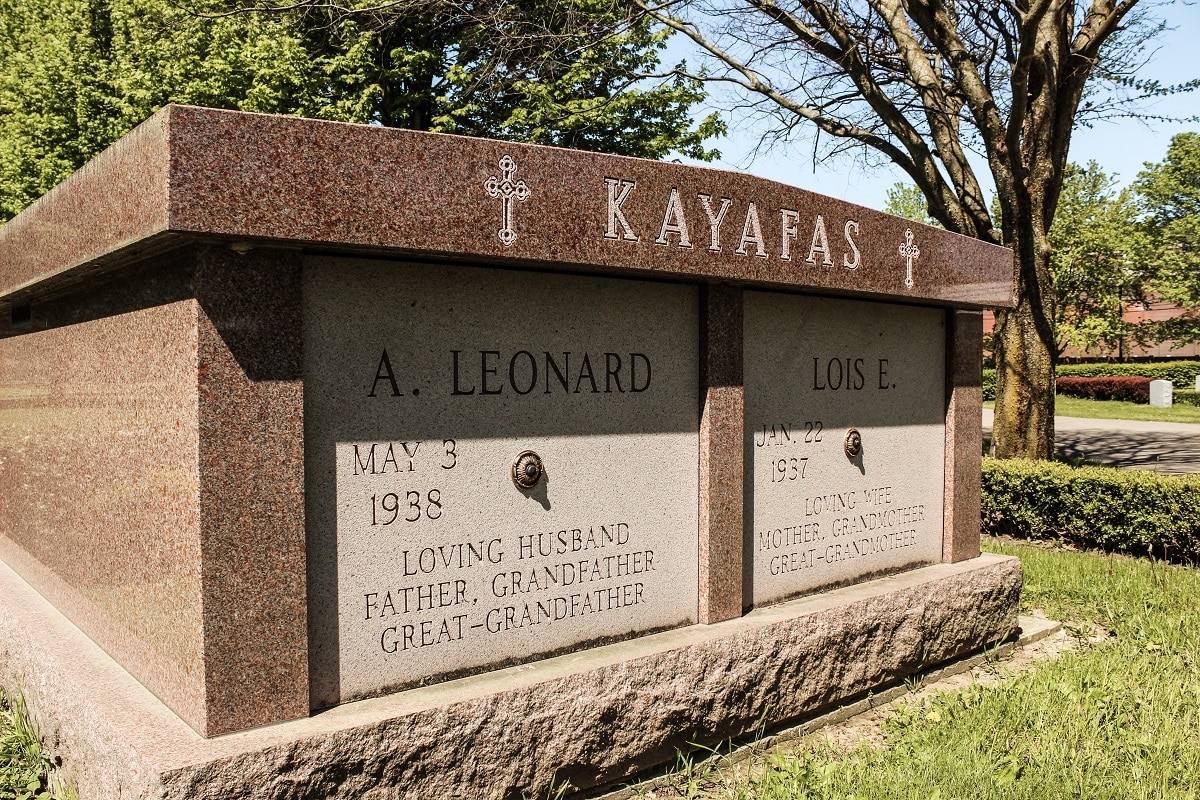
pixel 25 768
pixel 1118 719
pixel 1117 409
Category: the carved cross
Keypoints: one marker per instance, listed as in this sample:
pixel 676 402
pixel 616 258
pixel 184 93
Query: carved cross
pixel 910 252
pixel 507 190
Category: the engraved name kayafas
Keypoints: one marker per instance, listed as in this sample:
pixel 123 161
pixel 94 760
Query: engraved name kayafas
pixel 759 232
pixel 796 241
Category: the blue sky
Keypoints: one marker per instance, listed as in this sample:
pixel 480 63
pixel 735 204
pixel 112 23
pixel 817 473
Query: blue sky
pixel 1120 146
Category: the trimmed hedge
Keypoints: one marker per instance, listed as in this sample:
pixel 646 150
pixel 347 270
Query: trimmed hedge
pixel 1186 396
pixel 1124 387
pixel 1182 374
pixel 1124 510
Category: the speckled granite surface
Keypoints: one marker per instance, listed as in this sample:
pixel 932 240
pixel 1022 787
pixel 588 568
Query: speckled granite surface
pixel 964 435
pixel 151 468
pixel 198 172
pixel 721 432
pixel 101 505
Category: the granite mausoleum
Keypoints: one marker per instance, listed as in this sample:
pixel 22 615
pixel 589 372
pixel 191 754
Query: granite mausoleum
pixel 337 459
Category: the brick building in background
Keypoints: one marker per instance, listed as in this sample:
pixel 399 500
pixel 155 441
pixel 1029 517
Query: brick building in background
pixel 1135 313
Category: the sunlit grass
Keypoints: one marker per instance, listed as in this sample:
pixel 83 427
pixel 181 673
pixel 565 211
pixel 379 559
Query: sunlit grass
pixel 1119 409
pixel 26 771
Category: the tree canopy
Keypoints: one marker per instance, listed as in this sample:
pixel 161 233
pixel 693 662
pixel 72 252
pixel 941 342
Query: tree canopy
pixel 1169 197
pixel 1113 247
pixel 906 200
pixel 1098 261
pixel 77 74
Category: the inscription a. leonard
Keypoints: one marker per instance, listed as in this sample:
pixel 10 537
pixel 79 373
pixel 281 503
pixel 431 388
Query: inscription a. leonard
pixel 492 372
pixel 809 239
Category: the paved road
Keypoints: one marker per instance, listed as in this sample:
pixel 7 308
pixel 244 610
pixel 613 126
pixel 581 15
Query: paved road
pixel 1168 447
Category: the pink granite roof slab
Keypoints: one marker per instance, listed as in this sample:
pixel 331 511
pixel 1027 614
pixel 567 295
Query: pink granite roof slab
pixel 190 173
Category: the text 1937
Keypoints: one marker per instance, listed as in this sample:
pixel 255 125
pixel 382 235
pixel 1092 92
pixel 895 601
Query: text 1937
pixel 788 469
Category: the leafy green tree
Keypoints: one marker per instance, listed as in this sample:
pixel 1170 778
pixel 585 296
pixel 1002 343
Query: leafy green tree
pixel 1169 195
pixel 1097 259
pixel 77 74
pixel 534 70
pixel 906 200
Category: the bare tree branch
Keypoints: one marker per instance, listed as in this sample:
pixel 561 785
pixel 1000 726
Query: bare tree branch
pixel 928 83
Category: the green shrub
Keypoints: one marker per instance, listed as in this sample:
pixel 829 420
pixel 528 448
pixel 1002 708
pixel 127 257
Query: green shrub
pixel 989 384
pixel 1128 388
pixel 1128 511
pixel 1181 373
pixel 1187 396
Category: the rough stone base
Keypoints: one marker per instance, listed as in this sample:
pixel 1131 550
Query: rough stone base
pixel 592 718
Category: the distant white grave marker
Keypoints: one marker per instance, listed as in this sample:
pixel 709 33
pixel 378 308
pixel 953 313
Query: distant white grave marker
pixel 1161 394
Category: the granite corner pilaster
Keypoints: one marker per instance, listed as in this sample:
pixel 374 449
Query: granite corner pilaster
pixel 722 428
pixel 964 432
pixel 252 487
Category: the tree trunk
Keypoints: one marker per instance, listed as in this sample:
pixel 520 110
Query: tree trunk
pixel 1025 358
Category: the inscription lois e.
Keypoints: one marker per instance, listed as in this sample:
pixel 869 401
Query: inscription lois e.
pixel 847 373
pixel 856 489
